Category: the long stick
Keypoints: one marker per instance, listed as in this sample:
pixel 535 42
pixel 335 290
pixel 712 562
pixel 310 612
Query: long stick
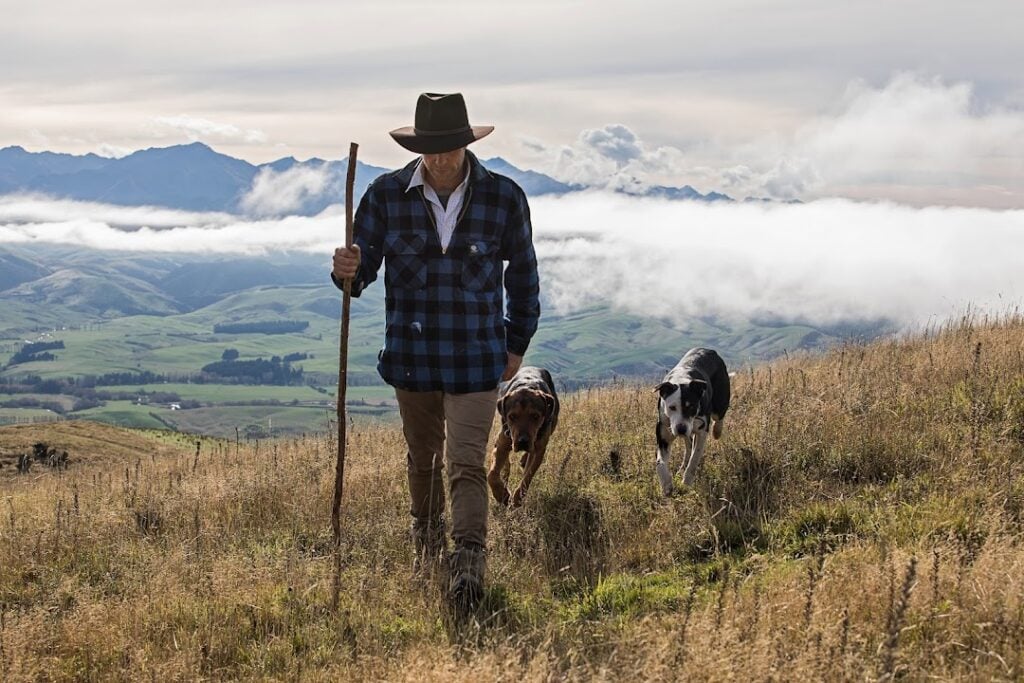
pixel 346 303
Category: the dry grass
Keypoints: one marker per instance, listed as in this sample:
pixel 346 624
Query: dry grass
pixel 88 443
pixel 862 518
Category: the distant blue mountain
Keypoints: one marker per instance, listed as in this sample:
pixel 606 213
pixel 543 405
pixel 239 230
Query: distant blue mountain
pixel 533 183
pixel 191 177
pixel 685 192
pixel 19 167
pixel 194 177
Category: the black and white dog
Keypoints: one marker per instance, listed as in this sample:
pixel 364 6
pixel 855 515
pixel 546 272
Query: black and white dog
pixel 694 394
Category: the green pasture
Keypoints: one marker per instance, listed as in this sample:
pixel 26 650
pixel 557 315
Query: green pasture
pixel 224 393
pixel 236 393
pixel 22 321
pixel 27 413
pixel 125 414
pixel 278 420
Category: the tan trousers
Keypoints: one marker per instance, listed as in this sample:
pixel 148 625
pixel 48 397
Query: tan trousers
pixel 451 429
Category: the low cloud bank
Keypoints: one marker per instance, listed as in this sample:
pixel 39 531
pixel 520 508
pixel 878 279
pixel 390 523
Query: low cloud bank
pixel 275 193
pixel 823 262
pixel 28 210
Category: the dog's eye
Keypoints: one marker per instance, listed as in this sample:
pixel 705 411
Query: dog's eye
pixel 671 409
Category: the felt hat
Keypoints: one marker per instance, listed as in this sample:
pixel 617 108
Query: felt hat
pixel 442 125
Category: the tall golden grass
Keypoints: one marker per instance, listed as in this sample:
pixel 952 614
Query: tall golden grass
pixel 861 518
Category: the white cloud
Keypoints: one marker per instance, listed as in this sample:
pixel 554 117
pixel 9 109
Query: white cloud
pixel 615 142
pixel 611 157
pixel 193 235
pixel 40 209
pixel 915 139
pixel 41 141
pixel 825 261
pixel 276 193
pixel 822 262
pixel 113 151
pixel 914 131
pixel 196 129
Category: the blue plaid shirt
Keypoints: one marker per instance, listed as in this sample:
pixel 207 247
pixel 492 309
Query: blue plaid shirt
pixel 447 329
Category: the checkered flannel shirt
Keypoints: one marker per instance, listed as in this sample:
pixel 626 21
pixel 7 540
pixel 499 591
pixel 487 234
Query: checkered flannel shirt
pixel 446 328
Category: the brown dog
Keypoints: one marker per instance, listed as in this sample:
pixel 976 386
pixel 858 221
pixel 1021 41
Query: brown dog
pixel 528 406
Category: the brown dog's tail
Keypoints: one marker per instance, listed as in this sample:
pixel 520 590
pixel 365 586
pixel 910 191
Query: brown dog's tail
pixel 716 428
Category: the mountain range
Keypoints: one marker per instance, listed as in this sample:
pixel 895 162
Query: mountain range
pixel 194 177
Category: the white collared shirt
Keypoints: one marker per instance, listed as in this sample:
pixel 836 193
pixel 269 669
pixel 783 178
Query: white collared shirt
pixel 444 217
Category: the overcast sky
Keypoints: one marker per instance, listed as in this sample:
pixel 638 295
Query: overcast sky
pixel 917 101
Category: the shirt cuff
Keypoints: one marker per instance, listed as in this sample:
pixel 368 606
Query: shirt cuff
pixel 516 345
pixel 357 285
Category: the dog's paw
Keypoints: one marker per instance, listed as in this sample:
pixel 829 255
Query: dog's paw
pixel 501 496
pixel 665 479
pixel 517 498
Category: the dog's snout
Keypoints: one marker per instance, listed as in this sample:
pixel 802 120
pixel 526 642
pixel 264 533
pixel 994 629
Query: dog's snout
pixel 522 445
pixel 681 430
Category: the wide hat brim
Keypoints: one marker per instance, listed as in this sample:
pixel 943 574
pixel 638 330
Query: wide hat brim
pixel 438 143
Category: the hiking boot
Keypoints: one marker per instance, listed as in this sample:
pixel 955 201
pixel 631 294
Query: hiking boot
pixel 466 567
pixel 430 544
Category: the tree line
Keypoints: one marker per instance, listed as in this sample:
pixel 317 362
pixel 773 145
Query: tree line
pixel 262 327
pixel 275 371
pixel 258 371
pixel 35 351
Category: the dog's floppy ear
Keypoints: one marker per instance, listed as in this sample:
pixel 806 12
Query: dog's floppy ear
pixel 549 401
pixel 500 405
pixel 665 389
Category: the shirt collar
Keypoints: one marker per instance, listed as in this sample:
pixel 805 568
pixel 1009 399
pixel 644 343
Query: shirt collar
pixel 418 180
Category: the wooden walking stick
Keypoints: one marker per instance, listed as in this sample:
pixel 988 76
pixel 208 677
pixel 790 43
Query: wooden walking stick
pixel 346 303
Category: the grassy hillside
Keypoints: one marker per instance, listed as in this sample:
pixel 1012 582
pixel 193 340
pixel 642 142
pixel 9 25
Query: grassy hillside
pixel 862 517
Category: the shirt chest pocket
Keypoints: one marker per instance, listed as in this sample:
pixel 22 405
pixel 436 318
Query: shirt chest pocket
pixel 481 266
pixel 406 266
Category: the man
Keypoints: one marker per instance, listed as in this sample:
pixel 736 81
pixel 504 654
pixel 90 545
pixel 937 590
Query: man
pixel 443 225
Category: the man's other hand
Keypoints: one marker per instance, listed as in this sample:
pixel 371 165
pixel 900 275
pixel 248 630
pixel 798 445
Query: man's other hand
pixel 511 366
pixel 346 262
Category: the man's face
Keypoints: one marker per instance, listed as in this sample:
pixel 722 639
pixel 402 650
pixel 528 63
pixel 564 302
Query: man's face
pixel 447 166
